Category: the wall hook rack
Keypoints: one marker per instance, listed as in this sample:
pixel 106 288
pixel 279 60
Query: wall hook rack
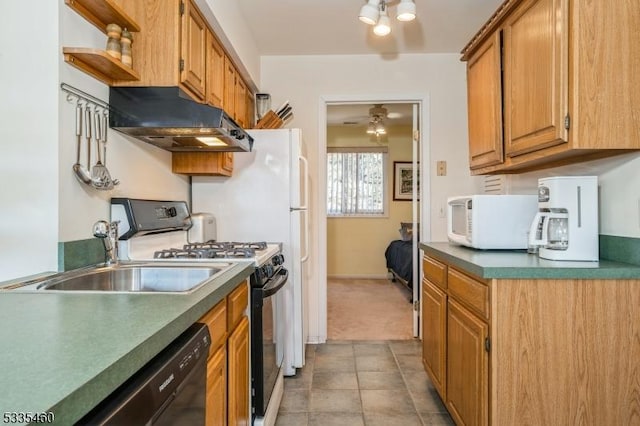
pixel 96 123
pixel 84 97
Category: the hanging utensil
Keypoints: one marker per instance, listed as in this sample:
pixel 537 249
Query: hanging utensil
pixel 81 173
pixel 105 128
pixel 99 173
pixel 87 134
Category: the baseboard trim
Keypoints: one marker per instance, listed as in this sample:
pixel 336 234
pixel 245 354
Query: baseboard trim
pixel 359 277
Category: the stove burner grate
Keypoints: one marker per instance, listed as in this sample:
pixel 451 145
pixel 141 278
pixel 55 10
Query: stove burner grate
pixel 212 250
pixel 180 254
pixel 227 245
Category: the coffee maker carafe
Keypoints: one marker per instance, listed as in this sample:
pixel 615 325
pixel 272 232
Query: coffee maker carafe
pixel 566 225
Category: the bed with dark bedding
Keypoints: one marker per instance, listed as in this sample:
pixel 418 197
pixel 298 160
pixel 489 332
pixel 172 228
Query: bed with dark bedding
pixel 399 261
pixel 399 257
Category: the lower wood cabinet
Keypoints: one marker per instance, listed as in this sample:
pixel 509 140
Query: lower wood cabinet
pixel 228 382
pixel 453 341
pixel 216 399
pixel 467 366
pixel 531 351
pixel 434 336
pixel 238 350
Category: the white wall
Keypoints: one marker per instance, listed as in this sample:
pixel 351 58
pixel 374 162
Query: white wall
pixel 42 201
pixel 28 137
pixel 619 190
pixel 305 80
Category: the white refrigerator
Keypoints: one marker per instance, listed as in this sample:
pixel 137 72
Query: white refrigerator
pixel 266 199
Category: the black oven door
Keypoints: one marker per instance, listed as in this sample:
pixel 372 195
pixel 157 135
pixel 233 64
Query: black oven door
pixel 267 339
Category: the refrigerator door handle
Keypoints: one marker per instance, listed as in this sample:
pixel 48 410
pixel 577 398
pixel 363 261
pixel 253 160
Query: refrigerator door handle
pixel 306 237
pixel 305 202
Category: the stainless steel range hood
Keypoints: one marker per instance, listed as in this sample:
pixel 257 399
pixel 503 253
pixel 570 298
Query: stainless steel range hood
pixel 168 118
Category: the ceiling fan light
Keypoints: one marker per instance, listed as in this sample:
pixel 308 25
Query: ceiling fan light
pixel 380 129
pixel 406 10
pixel 369 12
pixel 384 25
pixel 371 129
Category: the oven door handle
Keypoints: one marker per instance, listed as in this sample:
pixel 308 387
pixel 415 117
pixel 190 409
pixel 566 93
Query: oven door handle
pixel 274 285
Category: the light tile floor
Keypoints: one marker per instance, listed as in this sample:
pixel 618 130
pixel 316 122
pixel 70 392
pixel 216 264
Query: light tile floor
pixel 369 383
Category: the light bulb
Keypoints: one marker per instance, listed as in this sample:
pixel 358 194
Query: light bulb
pixel 406 10
pixel 384 26
pixel 371 129
pixel 369 12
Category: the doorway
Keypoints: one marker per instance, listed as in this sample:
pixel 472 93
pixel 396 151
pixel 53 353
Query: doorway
pixel 354 116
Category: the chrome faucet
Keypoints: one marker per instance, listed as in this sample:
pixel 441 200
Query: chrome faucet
pixel 108 232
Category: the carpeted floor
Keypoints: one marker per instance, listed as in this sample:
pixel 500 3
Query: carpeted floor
pixel 368 309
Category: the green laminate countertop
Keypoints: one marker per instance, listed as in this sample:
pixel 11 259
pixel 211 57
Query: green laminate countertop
pixel 64 352
pixel 520 264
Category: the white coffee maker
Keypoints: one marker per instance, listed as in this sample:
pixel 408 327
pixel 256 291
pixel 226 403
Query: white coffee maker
pixel 566 225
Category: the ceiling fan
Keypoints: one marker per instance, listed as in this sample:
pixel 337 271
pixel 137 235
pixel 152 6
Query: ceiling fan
pixel 360 114
pixel 377 115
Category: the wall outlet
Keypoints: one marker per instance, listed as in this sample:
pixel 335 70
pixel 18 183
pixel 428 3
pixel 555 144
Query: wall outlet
pixel 441 167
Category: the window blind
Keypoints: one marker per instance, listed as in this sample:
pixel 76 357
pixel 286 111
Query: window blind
pixel 355 182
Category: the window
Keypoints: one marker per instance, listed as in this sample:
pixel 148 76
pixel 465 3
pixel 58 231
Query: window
pixel 356 181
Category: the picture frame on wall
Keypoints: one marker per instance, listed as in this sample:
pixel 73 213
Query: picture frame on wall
pixel 403 181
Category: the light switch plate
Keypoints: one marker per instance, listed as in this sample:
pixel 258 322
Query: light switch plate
pixel 441 167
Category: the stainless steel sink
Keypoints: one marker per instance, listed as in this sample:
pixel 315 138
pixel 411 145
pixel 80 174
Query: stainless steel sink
pixel 149 277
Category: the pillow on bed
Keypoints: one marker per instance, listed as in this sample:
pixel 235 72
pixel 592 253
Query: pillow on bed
pixel 406 231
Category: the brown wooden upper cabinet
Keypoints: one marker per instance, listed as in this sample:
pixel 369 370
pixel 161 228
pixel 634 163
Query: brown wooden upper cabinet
pixel 176 47
pixel 484 90
pixel 535 76
pixel 250 110
pixel 229 99
pixel 241 102
pixel 202 163
pixel 215 72
pixel 193 51
pixel 562 74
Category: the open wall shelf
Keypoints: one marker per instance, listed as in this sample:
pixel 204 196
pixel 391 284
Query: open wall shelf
pixel 103 12
pixel 96 62
pixel 99 64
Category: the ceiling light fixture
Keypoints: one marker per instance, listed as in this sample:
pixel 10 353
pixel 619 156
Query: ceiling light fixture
pixel 374 12
pixel 376 124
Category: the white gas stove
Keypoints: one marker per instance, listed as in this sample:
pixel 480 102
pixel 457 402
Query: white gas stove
pixel 176 246
pixel 164 231
pixel 159 230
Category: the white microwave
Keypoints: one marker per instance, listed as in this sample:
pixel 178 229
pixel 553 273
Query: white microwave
pixel 491 221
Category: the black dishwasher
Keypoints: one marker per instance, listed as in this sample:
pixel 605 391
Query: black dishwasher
pixel 168 390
